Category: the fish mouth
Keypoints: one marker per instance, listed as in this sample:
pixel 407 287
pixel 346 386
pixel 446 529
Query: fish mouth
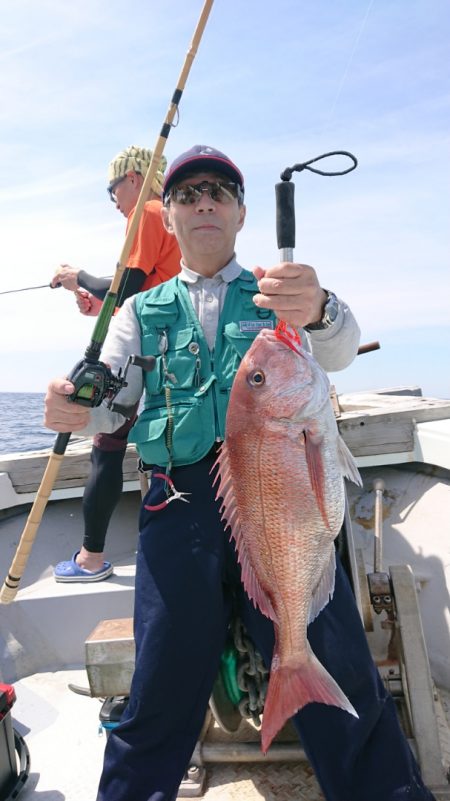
pixel 285 341
pixel 289 335
pixel 289 342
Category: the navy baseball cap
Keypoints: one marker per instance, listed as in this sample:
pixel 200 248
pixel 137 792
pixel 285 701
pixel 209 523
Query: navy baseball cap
pixel 201 158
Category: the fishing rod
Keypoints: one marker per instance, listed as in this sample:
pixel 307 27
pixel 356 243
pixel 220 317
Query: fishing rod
pixel 368 347
pixel 28 288
pixel 92 379
pixel 41 286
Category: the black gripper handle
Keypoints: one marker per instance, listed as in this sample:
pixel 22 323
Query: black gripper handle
pixel 284 194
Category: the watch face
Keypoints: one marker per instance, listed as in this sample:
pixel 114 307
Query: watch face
pixel 330 313
pixel 331 309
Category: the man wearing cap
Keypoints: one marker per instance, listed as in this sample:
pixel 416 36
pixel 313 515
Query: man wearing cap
pixel 198 326
pixel 154 257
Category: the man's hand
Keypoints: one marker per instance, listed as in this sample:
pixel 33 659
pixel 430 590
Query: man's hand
pixel 60 414
pixel 88 304
pixel 292 291
pixel 67 276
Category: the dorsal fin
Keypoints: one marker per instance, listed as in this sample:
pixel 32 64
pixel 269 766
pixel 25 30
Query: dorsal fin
pixel 230 515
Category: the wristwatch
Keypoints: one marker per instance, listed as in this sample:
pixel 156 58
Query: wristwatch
pixel 330 312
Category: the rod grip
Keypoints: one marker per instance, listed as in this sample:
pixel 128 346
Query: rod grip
pixel 285 214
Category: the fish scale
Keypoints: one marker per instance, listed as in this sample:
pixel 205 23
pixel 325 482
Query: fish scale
pixel 281 481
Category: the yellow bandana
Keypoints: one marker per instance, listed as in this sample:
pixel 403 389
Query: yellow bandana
pixel 137 159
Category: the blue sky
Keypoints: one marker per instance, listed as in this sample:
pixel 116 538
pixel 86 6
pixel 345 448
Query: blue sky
pixel 272 84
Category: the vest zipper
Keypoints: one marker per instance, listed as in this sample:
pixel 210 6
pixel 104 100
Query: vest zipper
pixel 214 400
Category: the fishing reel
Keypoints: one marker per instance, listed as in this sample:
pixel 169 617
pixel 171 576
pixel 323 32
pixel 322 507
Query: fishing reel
pixel 94 381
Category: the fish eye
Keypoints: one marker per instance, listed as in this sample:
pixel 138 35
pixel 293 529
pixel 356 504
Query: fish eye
pixel 256 378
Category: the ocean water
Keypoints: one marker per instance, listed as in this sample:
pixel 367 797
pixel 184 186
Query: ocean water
pixel 21 427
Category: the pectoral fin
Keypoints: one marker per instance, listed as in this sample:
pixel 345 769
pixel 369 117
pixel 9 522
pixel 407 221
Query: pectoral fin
pixel 316 472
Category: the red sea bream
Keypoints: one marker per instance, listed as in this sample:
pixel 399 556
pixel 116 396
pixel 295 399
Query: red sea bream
pixel 281 471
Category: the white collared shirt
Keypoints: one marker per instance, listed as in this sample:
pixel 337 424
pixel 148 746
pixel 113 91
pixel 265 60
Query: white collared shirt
pixel 208 295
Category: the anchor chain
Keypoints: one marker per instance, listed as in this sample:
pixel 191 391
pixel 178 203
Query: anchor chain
pixel 252 675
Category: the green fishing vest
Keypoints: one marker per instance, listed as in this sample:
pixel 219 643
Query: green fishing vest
pixel 187 394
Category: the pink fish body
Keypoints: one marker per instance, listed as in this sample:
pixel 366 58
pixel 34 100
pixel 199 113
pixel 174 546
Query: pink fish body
pixel 281 474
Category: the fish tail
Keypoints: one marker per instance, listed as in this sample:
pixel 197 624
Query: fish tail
pixel 291 688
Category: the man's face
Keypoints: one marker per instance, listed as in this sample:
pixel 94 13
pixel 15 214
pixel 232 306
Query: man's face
pixel 206 227
pixel 127 191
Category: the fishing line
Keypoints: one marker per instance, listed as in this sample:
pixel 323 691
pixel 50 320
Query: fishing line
pixel 349 63
pixel 27 288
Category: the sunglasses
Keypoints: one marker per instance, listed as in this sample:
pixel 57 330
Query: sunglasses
pixel 218 191
pixel 110 189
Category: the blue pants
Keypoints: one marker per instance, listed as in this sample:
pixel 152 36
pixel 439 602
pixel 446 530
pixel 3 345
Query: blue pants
pixel 186 573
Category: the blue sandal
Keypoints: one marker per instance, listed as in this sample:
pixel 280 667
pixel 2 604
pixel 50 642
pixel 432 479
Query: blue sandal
pixel 70 571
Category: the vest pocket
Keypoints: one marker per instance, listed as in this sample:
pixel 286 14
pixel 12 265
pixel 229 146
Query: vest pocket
pixel 153 379
pixel 180 359
pixel 240 340
pixel 191 439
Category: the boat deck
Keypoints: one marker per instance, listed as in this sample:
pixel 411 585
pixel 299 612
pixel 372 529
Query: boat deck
pixel 47 625
pixel 42 633
pixel 66 747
